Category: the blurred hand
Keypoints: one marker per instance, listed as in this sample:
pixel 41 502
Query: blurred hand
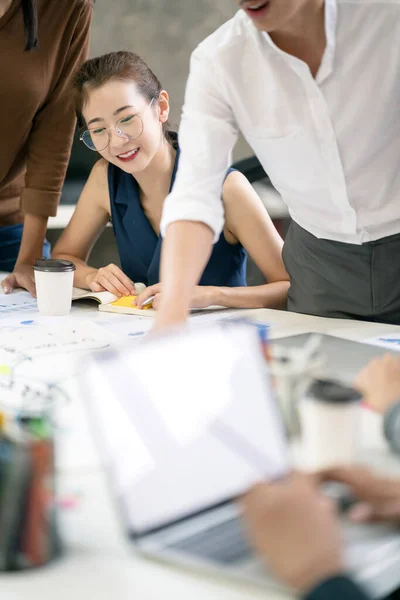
pixel 294 528
pixel 111 279
pixel 202 297
pixel 22 277
pixel 378 497
pixel 379 382
pixel 151 290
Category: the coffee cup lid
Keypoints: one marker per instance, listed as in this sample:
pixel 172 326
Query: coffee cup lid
pixel 333 392
pixel 53 265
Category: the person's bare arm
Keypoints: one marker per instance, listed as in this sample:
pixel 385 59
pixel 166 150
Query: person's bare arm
pixel 247 222
pixel 379 382
pixel 88 221
pixel 185 253
pixel 193 212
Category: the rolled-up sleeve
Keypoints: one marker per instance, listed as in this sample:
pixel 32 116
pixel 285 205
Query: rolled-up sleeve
pixel 207 135
pixel 51 136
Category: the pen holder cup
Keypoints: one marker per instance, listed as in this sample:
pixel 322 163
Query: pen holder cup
pixel 28 529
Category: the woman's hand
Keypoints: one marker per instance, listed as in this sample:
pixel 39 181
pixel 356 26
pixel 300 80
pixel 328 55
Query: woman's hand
pixel 379 382
pixel 110 279
pixel 203 296
pixel 22 277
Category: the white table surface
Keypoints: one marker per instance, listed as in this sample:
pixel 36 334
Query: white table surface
pixel 98 561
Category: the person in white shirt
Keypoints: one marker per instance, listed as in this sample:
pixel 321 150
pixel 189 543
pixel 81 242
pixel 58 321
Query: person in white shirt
pixel 314 87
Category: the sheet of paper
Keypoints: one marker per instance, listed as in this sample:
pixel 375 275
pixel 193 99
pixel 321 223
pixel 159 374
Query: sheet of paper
pixel 390 341
pixel 135 326
pixel 125 327
pixel 18 301
pixel 37 355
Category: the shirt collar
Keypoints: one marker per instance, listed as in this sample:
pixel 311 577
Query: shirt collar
pixel 330 30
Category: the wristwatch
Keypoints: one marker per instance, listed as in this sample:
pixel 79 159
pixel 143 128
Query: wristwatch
pixel 391 426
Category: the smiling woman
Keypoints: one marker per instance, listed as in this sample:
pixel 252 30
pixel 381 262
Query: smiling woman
pixel 123 111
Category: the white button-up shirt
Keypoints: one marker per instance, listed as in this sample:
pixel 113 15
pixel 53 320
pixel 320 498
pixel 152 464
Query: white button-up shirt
pixel 330 145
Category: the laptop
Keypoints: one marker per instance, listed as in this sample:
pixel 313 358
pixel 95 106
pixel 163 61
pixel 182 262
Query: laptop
pixel 185 424
pixel 343 359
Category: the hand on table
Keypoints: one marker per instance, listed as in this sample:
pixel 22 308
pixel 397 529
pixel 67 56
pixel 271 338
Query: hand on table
pixel 379 382
pixel 22 277
pixel 202 297
pixel 378 497
pixel 111 279
pixel 295 529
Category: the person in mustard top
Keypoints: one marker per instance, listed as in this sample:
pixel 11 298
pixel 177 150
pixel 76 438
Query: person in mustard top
pixel 42 43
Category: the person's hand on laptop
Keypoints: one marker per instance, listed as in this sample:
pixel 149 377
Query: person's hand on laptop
pixel 377 498
pixel 295 530
pixel 379 382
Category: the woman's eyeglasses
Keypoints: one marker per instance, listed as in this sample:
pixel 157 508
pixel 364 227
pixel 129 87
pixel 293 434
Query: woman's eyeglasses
pixel 129 127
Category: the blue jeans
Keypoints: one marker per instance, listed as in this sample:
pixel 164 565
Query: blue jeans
pixel 10 242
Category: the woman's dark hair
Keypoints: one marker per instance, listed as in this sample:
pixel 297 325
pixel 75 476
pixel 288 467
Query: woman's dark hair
pixel 29 9
pixel 123 66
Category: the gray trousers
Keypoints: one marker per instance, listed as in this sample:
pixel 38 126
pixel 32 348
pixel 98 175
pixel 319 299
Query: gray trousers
pixel 333 279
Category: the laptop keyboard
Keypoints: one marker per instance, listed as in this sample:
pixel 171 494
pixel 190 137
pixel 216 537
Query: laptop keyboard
pixel 223 543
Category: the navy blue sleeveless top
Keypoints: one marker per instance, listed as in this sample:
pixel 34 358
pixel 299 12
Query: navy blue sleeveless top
pixel 139 246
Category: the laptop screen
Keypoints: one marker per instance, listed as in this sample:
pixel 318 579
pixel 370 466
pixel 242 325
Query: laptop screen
pixel 184 422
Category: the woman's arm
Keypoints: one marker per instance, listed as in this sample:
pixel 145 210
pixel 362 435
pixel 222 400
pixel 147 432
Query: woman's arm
pixel 247 222
pixel 88 221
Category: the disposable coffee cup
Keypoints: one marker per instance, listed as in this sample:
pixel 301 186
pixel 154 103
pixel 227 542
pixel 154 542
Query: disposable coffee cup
pixel 330 425
pixel 54 282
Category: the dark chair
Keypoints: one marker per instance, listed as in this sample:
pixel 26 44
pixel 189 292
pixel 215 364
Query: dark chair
pixel 252 169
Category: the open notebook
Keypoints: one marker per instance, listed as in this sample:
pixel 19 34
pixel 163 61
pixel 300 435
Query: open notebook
pixel 108 302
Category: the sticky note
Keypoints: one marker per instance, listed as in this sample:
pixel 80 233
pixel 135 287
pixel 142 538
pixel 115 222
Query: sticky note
pixel 5 370
pixel 127 302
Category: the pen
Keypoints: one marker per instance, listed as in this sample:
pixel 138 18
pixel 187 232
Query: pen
pixel 148 301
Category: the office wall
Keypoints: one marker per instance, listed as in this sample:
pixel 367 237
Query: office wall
pixel 164 33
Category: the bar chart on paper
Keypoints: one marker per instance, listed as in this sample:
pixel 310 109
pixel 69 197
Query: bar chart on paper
pixel 390 341
pixel 38 356
pixel 16 302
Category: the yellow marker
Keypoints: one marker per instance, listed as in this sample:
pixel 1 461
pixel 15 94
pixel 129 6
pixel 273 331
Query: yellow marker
pixel 5 370
pixel 127 302
pixel 2 421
